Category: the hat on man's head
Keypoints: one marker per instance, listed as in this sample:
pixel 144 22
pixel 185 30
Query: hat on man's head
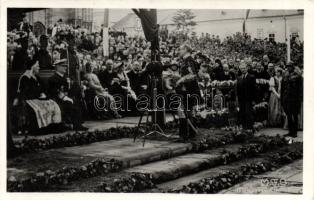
pixel 290 64
pixel 61 62
pixel 174 67
pixel 118 65
pixel 43 37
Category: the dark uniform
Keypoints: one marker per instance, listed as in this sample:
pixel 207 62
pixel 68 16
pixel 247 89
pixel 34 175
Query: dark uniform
pixel 291 98
pixel 43 56
pixel 44 59
pixel 246 86
pixel 71 112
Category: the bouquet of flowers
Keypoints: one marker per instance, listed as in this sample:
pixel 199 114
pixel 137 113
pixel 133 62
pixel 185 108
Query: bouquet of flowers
pixel 262 81
pixel 223 84
pixel 212 118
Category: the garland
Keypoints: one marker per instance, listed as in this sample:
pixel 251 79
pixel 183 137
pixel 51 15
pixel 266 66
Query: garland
pixel 260 106
pixel 262 81
pixel 72 139
pixel 82 138
pixel 213 118
pixel 133 182
pixel 78 138
pixel 223 84
pixel 43 180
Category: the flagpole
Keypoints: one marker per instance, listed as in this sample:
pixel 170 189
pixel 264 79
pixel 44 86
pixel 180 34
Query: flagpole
pixel 105 36
pixel 287 39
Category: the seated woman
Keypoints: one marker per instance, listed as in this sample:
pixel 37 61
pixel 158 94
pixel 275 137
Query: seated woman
pixel 120 85
pixel 32 103
pixel 94 84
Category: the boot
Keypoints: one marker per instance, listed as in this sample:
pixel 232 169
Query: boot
pixel 192 128
pixel 183 129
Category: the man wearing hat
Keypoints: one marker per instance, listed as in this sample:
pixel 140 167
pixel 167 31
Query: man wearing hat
pixel 58 90
pixel 20 56
pixel 43 57
pixel 291 97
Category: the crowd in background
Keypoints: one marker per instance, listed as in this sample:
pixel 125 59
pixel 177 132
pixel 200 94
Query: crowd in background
pixel 122 72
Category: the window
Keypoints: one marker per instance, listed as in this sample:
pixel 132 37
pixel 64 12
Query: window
pixel 260 33
pixel 272 37
pixel 294 35
pixel 79 13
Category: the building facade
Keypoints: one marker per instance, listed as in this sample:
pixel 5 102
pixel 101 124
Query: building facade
pixel 82 17
pixel 261 24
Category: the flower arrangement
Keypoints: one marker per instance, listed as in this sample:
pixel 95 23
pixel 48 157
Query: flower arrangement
pixel 223 84
pixel 212 118
pixel 262 81
pixel 42 180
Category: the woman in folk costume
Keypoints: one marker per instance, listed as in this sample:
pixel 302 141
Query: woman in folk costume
pixel 170 76
pixel 187 87
pixel 275 112
pixel 31 99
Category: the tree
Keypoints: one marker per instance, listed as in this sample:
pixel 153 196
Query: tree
pixel 184 20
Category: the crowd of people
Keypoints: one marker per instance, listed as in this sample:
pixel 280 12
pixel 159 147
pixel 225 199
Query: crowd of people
pixel 259 69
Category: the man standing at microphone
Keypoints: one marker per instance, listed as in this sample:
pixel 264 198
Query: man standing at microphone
pixel 187 88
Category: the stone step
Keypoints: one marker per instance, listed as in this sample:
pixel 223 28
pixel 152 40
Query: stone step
pixel 162 170
pixel 285 180
pixel 173 173
pixel 173 168
pixel 211 172
pixel 215 171
pixel 129 152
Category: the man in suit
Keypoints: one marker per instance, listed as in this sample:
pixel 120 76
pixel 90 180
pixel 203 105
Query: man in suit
pixel 245 96
pixel 43 57
pixel 58 90
pixel 106 74
pixel 291 97
pixel 25 26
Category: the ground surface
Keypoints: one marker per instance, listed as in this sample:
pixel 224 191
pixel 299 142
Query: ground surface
pixel 163 159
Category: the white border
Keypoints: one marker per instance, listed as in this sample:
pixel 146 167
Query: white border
pixel 308 166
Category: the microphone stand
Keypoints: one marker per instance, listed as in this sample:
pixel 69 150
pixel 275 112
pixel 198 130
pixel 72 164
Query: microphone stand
pixel 155 128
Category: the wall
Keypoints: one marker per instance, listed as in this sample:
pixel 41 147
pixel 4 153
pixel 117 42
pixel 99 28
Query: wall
pixel 227 22
pixel 276 25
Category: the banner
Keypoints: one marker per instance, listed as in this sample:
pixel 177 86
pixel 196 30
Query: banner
pixel 148 19
pixel 245 18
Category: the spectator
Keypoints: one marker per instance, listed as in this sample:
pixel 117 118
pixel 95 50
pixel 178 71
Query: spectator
pixel 58 90
pixel 94 84
pixel 291 97
pixel 245 95
pixel 275 112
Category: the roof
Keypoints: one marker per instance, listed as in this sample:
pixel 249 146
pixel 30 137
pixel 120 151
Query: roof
pixel 164 16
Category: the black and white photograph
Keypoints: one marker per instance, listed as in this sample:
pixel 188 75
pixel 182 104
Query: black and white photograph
pixel 154 100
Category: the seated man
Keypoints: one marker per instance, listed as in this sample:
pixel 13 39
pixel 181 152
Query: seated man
pixel 134 76
pixel 32 104
pixel 58 88
pixel 105 75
